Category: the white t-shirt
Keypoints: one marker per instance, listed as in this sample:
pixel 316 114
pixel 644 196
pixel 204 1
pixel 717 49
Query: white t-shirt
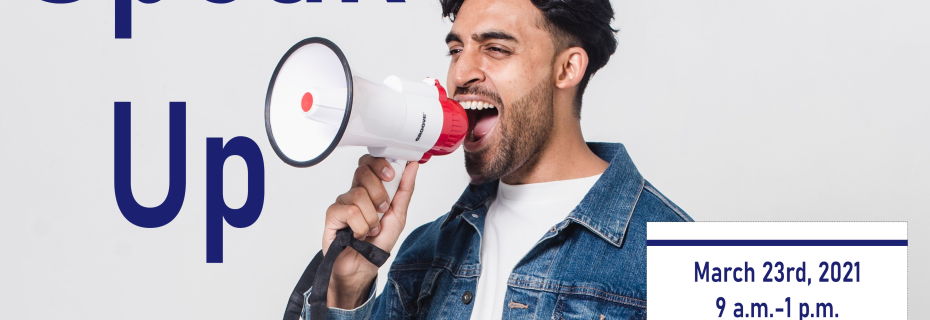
pixel 519 216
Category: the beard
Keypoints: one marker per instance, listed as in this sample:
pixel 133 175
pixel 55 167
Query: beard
pixel 523 133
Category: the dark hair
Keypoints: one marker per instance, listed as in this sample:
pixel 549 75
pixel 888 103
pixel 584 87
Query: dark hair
pixel 572 23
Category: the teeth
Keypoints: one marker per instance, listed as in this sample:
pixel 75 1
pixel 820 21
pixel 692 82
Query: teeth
pixel 476 105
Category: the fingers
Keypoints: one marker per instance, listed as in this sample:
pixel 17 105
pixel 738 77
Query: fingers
pixel 359 208
pixel 354 208
pixel 408 181
pixel 370 182
pixel 380 166
pixel 359 225
pixel 395 219
pixel 405 191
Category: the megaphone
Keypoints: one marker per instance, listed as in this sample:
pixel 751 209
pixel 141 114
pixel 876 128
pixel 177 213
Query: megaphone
pixel 314 104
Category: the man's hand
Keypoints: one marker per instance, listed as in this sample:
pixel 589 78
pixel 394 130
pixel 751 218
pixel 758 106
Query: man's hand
pixel 353 275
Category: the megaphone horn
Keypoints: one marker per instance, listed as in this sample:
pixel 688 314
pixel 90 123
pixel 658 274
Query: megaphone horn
pixel 314 104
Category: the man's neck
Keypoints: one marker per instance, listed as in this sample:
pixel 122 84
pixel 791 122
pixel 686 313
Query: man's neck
pixel 566 156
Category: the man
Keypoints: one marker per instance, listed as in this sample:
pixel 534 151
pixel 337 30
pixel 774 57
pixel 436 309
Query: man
pixel 550 227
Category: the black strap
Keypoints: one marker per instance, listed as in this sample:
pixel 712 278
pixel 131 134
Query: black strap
pixel 323 266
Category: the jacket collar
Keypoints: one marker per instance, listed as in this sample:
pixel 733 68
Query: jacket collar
pixel 605 210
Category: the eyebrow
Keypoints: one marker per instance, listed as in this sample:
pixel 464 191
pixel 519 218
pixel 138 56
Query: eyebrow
pixel 499 35
pixel 495 34
pixel 452 36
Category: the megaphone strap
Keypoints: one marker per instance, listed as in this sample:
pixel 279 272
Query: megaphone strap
pixel 322 265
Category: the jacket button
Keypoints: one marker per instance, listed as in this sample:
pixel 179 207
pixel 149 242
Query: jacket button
pixel 466 298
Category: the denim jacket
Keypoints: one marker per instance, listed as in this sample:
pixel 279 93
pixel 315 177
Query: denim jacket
pixel 592 265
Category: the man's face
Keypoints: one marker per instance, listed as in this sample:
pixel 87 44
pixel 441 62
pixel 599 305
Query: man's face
pixel 501 62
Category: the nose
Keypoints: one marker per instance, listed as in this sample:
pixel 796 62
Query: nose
pixel 467 69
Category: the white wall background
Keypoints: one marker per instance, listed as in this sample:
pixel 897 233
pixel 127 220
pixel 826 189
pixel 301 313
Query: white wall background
pixel 736 110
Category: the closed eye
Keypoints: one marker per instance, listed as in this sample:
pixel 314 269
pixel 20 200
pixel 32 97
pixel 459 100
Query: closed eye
pixel 498 52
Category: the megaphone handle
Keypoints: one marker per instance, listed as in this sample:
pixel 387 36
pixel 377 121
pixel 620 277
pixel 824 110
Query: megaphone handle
pixel 391 186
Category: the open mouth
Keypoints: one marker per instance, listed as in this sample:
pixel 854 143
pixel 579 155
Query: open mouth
pixel 482 119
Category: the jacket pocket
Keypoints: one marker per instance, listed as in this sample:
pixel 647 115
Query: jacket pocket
pixel 415 288
pixel 587 307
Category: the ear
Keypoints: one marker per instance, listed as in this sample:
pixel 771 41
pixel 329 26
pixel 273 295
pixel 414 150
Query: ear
pixel 570 66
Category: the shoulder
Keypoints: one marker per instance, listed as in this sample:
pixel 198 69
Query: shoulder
pixel 655 207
